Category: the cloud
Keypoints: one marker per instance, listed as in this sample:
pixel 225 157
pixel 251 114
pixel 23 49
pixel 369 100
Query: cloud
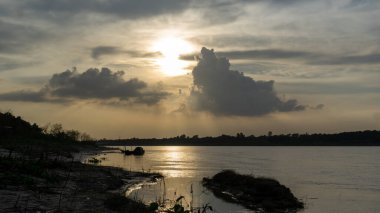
pixel 238 41
pixel 7 63
pixel 312 58
pixel 210 11
pixel 16 38
pixel 346 60
pixel 99 51
pixel 265 54
pixel 11 65
pixel 28 96
pixel 262 54
pixel 310 88
pixel 222 91
pixel 363 4
pixel 96 52
pixel 122 8
pixel 319 106
pixel 92 84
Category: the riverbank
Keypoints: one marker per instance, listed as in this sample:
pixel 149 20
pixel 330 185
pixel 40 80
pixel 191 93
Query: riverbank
pixel 51 185
pixel 41 170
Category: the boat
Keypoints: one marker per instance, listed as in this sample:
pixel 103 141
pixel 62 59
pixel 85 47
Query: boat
pixel 137 151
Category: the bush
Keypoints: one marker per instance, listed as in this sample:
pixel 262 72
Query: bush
pixel 254 193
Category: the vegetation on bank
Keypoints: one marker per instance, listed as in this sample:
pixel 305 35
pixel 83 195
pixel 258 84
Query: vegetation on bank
pixel 256 193
pixel 38 172
pixel 359 138
pixel 26 139
pixel 14 127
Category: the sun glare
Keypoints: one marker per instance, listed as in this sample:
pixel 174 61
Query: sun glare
pixel 171 49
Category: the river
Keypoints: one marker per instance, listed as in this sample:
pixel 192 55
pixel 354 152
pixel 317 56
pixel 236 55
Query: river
pixel 327 179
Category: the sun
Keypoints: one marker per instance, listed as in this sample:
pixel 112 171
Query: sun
pixel 171 48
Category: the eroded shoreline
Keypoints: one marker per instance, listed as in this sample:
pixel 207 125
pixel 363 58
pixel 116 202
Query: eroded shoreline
pixel 70 186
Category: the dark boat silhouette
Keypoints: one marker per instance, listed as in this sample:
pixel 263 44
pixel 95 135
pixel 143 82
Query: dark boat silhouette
pixel 137 151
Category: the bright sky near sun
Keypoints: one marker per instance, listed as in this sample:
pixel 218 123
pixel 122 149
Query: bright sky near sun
pixel 296 66
pixel 171 49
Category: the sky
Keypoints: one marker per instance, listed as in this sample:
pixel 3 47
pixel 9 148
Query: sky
pixel 139 68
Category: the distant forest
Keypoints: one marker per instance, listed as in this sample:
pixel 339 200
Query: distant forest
pixel 359 138
pixel 15 129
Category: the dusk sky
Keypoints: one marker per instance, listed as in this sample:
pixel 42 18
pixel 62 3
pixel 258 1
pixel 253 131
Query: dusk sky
pixel 140 68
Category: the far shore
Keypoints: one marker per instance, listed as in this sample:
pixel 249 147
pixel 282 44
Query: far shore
pixel 358 138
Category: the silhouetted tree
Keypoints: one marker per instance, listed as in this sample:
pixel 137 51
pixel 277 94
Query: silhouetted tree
pixel 73 135
pixel 56 130
pixel 85 137
pixel 240 135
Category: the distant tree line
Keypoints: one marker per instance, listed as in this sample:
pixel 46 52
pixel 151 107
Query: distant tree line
pixel 359 138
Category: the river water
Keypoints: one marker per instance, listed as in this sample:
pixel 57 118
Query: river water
pixel 327 179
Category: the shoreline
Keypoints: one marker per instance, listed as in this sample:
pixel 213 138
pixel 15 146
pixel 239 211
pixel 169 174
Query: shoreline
pixel 82 187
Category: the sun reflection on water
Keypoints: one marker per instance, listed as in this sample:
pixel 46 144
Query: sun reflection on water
pixel 178 162
pixel 173 153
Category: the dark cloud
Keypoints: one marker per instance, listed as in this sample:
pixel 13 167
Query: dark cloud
pixel 7 64
pixel 311 88
pixel 29 96
pixel 16 38
pixel 319 107
pixel 99 51
pixel 263 68
pixel 262 54
pixel 219 90
pixel 123 8
pixel 288 2
pixel 363 4
pixel 93 84
pixel 11 65
pixel 281 2
pixel 356 3
pixel 265 54
pixel 307 57
pixel 104 50
pixel 210 11
pixel 346 60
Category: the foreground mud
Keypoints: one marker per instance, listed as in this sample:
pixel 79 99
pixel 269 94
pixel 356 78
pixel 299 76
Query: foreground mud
pixel 71 187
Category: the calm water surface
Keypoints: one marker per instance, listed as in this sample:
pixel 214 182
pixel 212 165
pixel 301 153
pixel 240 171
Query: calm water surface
pixel 327 179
